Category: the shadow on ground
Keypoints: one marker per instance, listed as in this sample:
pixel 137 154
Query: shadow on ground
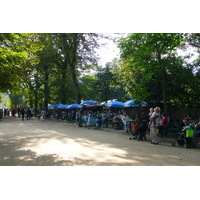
pixel 53 143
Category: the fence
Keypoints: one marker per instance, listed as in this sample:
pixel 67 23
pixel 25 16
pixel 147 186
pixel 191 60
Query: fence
pixel 175 114
pixel 179 113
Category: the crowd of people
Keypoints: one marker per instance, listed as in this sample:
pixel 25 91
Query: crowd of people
pixel 121 120
pixel 23 113
pixel 157 123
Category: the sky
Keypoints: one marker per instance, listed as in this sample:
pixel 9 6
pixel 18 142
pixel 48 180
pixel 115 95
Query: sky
pixel 111 51
pixel 108 52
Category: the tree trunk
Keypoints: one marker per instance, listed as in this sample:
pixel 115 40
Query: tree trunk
pixel 36 103
pixel 164 91
pixel 164 82
pixel 76 85
pixel 46 89
pixel 63 85
pixel 73 68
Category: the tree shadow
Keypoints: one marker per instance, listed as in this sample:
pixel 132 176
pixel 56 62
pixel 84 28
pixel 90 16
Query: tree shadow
pixel 22 149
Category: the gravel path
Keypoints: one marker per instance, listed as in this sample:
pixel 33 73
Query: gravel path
pixel 56 143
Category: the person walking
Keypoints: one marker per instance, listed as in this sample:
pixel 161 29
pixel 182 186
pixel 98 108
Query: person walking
pixel 154 123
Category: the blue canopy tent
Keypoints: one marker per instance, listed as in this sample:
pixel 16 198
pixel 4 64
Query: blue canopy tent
pixel 116 104
pixel 144 104
pixel 50 107
pixel 131 103
pixel 54 106
pixel 90 103
pixel 74 106
pixel 63 106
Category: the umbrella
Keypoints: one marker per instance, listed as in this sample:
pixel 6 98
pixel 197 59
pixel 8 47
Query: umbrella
pixel 50 107
pixel 54 106
pixel 74 106
pixel 114 104
pixel 144 104
pixel 131 103
pixel 63 106
pixel 90 103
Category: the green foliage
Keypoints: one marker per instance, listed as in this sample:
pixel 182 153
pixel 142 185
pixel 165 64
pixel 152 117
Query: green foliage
pixel 150 65
pixel 37 69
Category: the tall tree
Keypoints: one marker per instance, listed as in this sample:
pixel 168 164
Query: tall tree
pixel 79 50
pixel 151 54
pixel 13 54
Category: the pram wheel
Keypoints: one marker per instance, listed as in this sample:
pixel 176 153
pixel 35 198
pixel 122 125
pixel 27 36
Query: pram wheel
pixel 191 145
pixel 173 144
pixel 180 142
pixel 139 139
pixel 194 146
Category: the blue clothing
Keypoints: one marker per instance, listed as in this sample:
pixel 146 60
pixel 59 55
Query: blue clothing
pixel 197 133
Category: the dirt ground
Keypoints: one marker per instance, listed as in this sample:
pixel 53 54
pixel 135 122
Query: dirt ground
pixel 58 143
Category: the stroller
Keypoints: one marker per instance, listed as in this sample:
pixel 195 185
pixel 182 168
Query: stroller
pixel 139 132
pixel 183 139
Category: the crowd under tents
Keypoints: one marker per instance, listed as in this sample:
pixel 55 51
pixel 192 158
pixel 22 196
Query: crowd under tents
pixel 130 106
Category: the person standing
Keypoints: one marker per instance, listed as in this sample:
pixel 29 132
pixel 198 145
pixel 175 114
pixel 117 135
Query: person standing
pixel 125 119
pixel 5 112
pixel 28 114
pixel 163 126
pixel 22 113
pixel 31 112
pixel 1 114
pixel 43 115
pixel 76 118
pixel 19 111
pixel 80 115
pixel 155 118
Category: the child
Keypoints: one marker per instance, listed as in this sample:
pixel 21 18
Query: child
pixel 152 121
pixel 150 112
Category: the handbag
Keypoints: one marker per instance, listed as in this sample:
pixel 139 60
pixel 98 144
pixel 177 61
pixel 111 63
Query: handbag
pixel 189 133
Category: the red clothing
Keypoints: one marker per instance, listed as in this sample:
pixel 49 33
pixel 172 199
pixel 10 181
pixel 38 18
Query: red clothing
pixel 164 122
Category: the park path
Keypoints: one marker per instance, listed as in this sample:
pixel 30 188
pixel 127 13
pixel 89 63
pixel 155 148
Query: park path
pixel 58 143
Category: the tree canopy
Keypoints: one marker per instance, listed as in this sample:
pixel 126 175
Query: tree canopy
pixel 153 70
pixel 47 68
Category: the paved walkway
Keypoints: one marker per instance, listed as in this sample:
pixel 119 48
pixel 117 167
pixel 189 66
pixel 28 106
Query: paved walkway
pixel 58 143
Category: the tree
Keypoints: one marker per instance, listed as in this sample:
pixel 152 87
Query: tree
pixel 80 54
pixel 12 55
pixel 151 55
pixel 88 87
